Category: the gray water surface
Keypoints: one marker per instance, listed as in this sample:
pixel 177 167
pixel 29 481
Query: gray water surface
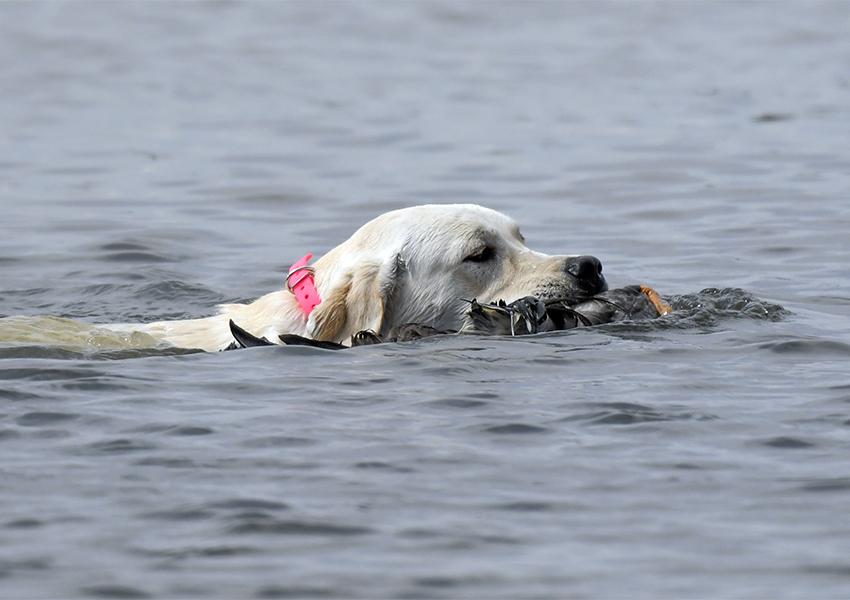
pixel 158 159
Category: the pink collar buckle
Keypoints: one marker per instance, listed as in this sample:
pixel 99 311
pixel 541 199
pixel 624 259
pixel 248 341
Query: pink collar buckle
pixel 301 282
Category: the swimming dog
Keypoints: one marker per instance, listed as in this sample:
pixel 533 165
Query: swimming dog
pixel 413 265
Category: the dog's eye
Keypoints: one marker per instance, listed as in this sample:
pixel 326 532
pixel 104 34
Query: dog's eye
pixel 483 255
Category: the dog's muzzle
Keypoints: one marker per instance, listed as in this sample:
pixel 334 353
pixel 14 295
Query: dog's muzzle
pixel 586 272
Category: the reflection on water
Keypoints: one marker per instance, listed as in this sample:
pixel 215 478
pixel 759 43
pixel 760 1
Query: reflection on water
pixel 162 159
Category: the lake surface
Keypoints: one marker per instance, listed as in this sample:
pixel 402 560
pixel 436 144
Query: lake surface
pixel 160 158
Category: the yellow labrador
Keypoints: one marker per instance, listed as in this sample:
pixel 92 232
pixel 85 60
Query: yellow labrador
pixel 410 265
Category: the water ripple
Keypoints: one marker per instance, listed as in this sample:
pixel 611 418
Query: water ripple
pixel 120 446
pixel 35 419
pixel 274 591
pixel 297 528
pixel 827 484
pixel 810 347
pixel 114 591
pixel 516 428
pixel 787 442
pixel 628 413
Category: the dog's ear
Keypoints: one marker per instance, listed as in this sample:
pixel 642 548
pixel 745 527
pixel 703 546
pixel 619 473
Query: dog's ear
pixel 360 301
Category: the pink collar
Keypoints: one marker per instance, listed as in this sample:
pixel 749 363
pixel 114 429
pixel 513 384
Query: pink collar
pixel 300 281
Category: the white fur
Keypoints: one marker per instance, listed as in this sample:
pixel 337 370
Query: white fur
pixel 404 266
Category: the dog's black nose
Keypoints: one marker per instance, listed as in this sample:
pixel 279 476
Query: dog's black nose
pixel 588 270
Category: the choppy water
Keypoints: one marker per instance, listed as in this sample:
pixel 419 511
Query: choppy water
pixel 158 159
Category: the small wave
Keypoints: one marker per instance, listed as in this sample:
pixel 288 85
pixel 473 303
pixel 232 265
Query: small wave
pixel 298 528
pixel 628 413
pixel 787 442
pixel 24 523
pixel 818 347
pixel 249 504
pixel 376 465
pixel 834 484
pixel 277 441
pixel 516 429
pixel 457 403
pixel 704 310
pixel 712 304
pixel 119 446
pixel 114 591
pixel 525 506
pixel 274 591
pixel 191 431
pixel 136 257
pixel 179 514
pixel 174 288
pixel 36 419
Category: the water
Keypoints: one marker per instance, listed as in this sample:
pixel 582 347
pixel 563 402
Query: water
pixel 158 159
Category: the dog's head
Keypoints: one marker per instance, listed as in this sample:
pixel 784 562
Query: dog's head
pixel 418 264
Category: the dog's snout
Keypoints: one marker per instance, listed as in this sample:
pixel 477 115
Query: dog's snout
pixel 588 270
pixel 584 267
